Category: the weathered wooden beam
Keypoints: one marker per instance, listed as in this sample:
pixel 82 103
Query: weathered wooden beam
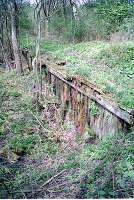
pixel 91 85
pixel 120 113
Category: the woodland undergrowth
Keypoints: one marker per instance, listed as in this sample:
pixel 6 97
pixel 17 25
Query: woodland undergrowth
pixel 42 156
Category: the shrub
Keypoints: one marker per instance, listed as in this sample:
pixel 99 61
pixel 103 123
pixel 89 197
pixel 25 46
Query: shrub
pixel 110 167
pixel 23 143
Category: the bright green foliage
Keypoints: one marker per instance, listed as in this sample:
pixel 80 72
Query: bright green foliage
pixel 49 47
pixel 120 56
pixel 112 13
pixel 127 26
pixel 27 18
pixel 22 143
pixel 120 59
pixel 98 20
pixel 110 66
pixel 109 167
pixel 95 110
pixel 113 175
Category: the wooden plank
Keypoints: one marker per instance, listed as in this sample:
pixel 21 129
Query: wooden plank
pixel 125 116
pixel 87 83
pixel 119 112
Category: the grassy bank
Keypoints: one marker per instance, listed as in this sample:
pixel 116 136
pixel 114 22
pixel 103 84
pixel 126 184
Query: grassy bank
pixel 110 66
pixel 36 160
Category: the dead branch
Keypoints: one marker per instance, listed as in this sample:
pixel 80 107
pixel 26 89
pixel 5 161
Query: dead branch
pixel 52 178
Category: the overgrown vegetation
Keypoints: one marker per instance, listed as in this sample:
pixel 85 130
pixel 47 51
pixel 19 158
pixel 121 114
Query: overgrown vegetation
pixel 42 156
pixel 110 66
pixel 97 20
pixel 109 167
pixel 33 159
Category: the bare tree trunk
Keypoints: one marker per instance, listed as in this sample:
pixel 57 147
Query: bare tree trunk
pixel 72 21
pixel 46 29
pixel 5 56
pixel 64 11
pixel 15 43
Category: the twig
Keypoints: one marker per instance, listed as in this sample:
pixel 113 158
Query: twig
pixel 51 179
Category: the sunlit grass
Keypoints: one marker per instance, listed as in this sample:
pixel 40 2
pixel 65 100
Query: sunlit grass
pixel 108 65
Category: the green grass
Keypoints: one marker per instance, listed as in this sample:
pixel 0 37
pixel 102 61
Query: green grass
pixel 23 143
pixel 110 66
pixel 21 135
pixel 17 115
pixel 107 165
